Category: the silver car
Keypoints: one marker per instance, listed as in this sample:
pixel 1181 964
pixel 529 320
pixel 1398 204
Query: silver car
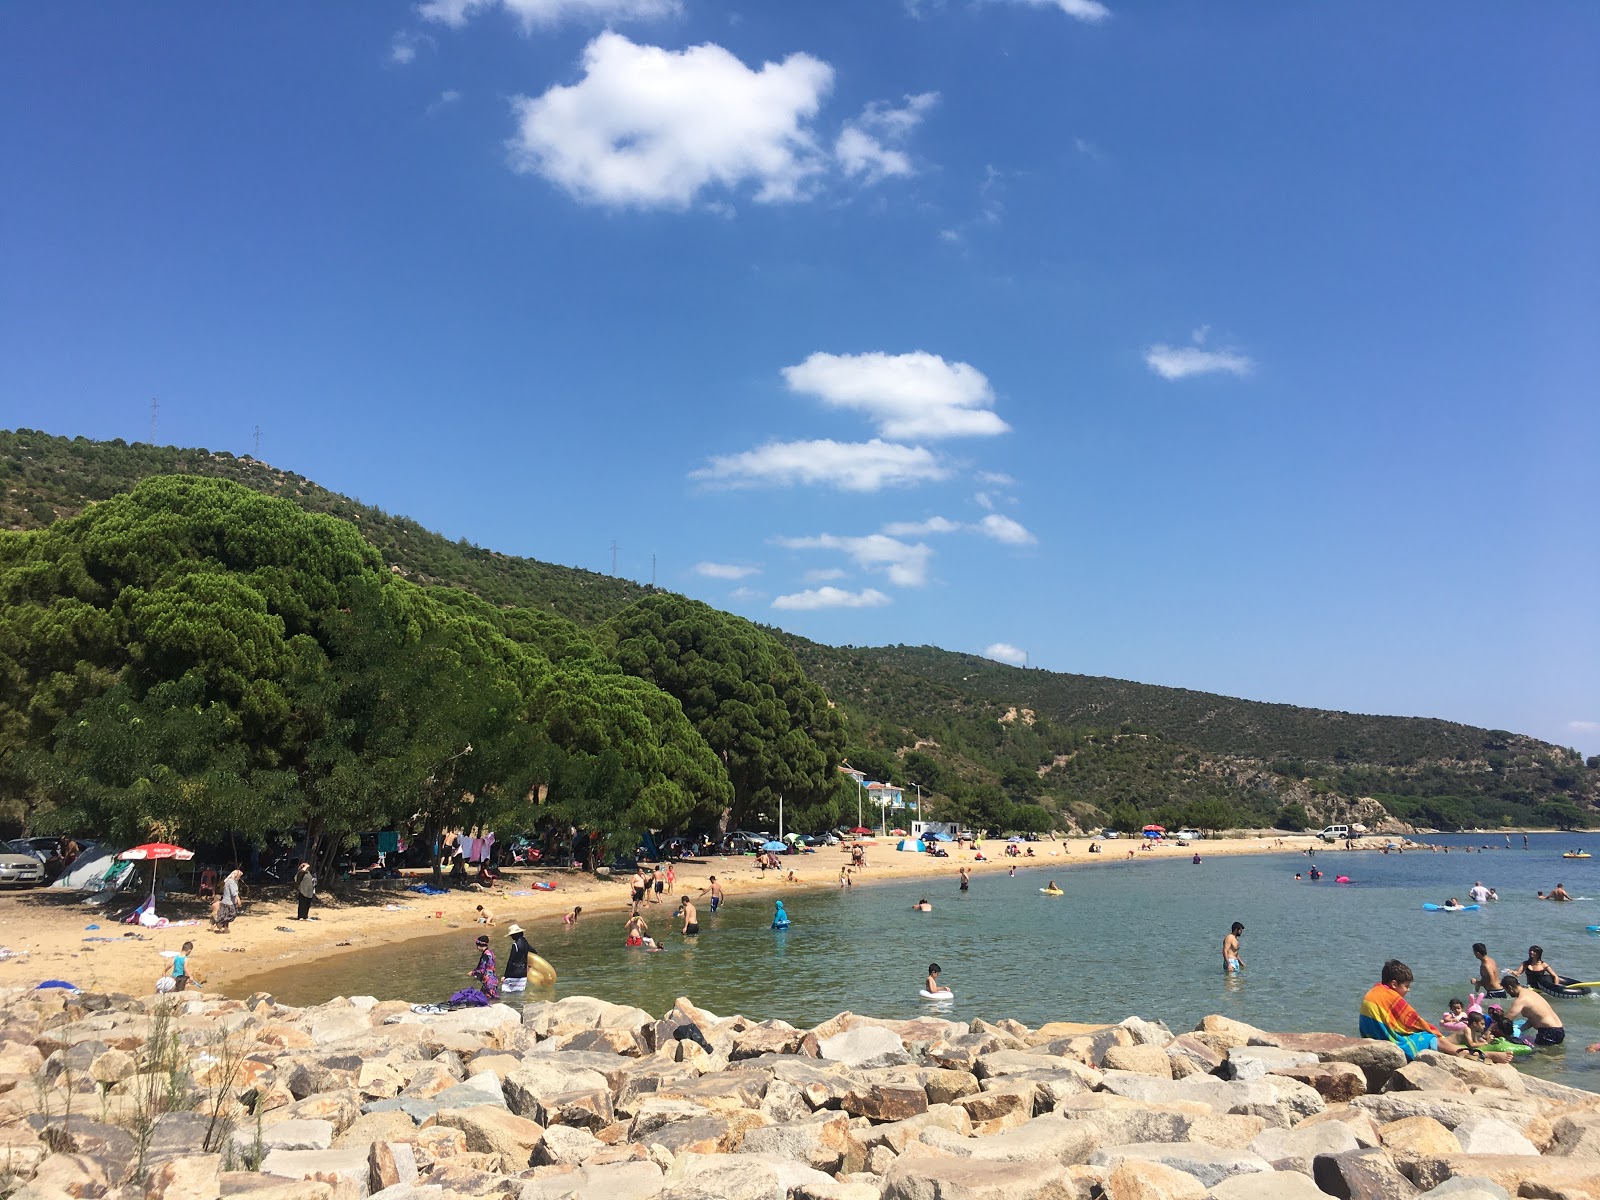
pixel 19 866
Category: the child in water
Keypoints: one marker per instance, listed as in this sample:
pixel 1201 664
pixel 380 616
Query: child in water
pixel 1455 1017
pixel 933 986
pixel 572 917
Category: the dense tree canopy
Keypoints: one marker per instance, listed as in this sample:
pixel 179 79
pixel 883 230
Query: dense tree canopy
pixel 771 726
pixel 193 658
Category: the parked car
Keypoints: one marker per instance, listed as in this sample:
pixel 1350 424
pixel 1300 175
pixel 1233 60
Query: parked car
pixel 18 865
pixel 1109 833
pixel 1189 835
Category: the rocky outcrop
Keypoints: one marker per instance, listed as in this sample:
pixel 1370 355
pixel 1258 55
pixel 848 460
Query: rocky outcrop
pixel 582 1098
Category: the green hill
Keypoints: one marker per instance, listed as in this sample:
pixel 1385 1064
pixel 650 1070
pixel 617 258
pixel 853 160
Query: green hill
pixel 989 743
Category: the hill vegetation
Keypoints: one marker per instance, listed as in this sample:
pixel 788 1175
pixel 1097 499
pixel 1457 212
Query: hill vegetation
pixel 989 744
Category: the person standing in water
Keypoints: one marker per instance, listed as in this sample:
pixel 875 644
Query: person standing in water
pixel 1231 962
pixel 1488 970
pixel 516 976
pixel 691 918
pixel 715 889
pixel 966 878
pixel 484 972
pixel 780 919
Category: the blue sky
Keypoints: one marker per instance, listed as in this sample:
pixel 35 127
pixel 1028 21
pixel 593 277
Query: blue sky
pixel 1234 347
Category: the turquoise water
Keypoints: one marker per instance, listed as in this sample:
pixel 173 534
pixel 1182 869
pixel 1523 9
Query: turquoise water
pixel 1138 937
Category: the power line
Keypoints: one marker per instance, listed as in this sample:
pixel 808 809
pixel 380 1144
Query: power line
pixel 155 407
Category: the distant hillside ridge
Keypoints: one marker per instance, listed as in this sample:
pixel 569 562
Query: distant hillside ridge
pixel 1000 745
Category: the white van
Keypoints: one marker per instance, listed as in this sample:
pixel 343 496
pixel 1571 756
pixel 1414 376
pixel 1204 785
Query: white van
pixel 1335 833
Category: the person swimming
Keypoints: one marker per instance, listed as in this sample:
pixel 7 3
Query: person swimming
pixel 933 986
pixel 922 906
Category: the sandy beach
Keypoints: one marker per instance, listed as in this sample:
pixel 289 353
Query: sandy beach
pixel 47 929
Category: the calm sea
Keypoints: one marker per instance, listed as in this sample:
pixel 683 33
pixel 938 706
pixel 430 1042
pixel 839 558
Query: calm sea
pixel 1127 938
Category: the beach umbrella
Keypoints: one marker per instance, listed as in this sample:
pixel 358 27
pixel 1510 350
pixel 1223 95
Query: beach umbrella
pixel 152 852
pixel 940 837
pixel 775 846
pixel 1155 828
pixel 861 829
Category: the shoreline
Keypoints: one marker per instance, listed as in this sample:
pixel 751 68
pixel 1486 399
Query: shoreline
pixel 49 926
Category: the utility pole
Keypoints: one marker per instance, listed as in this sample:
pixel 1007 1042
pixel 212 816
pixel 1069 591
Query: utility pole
pixel 155 407
pixel 652 570
pixel 257 452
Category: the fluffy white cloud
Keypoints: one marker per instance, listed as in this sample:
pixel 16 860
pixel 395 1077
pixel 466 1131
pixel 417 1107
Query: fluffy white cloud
pixel 745 593
pixel 906 563
pixel 712 570
pixel 1584 726
pixel 534 13
pixel 916 395
pixel 1179 362
pixel 1091 11
pixel 1004 529
pixel 653 128
pixel 918 528
pixel 869 145
pixel 1005 652
pixel 403 49
pixel 849 466
pixel 832 597
pixel 996 478
pixel 824 574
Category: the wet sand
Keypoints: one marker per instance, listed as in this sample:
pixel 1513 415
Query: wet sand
pixel 49 924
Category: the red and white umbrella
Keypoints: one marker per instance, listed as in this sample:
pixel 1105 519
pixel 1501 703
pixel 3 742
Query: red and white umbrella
pixel 861 829
pixel 152 851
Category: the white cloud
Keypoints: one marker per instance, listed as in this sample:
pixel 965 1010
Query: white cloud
pixel 868 145
pixel 545 13
pixel 832 597
pixel 1004 529
pixel 403 49
pixel 983 500
pixel 653 128
pixel 446 98
pixel 712 570
pixel 1584 726
pixel 918 528
pixel 824 574
pixel 849 466
pixel 916 395
pixel 995 477
pixel 1006 653
pixel 905 563
pixel 745 593
pixel 1179 362
pixel 1090 11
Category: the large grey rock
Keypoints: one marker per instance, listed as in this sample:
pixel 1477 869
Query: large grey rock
pixel 865 1046
pixel 1448 1108
pixel 287 1135
pixel 1423 1077
pixel 1296 1149
pixel 1361 1175
pixel 737 1177
pixel 1491 1135
pixel 1279 1185
pixel 1146 1033
pixel 348 1167
pixel 1254 1062
pixel 897 1135
pixel 1206 1163
pixel 935 1177
pixel 480 1089
pixel 1043 1139
pixel 1468 1187
pixel 821 1141
pixel 536 1078
pixel 638 1180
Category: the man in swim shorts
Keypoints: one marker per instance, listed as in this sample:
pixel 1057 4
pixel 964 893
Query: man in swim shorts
pixel 691 919
pixel 1231 961
pixel 1488 970
pixel 966 877
pixel 715 889
pixel 636 886
pixel 1535 1010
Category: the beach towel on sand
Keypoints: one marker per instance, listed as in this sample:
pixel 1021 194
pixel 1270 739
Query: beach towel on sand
pixel 1386 1017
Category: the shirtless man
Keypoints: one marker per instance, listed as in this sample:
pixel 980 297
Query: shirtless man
pixel 1488 970
pixel 715 889
pixel 636 884
pixel 1231 961
pixel 691 919
pixel 1536 1011
pixel 1559 894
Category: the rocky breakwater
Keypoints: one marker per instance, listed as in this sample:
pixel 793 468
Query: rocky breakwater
pixel 191 1099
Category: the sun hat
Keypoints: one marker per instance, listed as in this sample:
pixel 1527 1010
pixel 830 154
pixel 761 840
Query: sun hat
pixel 513 929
